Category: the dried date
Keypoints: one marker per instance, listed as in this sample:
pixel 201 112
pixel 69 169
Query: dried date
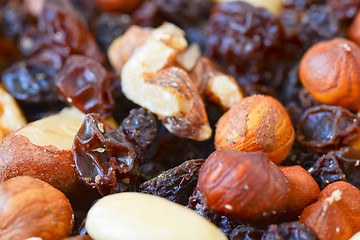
pixel 104 159
pixel 323 128
pixel 86 84
pixel 176 184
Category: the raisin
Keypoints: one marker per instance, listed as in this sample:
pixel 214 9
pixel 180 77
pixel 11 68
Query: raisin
pixel 176 184
pixel 103 157
pixel 148 15
pixel 245 232
pixel 140 128
pixel 344 10
pixel 109 26
pixel 224 223
pixel 301 4
pixel 290 230
pixel 12 19
pixel 32 81
pixel 85 7
pixel 324 128
pixel 247 40
pixel 185 12
pixel 85 83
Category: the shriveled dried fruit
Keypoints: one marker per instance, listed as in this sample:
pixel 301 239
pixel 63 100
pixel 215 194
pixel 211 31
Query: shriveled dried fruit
pixel 344 10
pixel 12 19
pixel 104 159
pixel 323 128
pixel 176 184
pixel 291 230
pixel 86 84
pixel 244 232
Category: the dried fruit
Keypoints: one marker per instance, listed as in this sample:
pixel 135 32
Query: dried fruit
pixel 110 217
pixel 247 186
pixel 291 230
pixel 338 81
pixel 274 6
pixel 33 208
pixel 118 5
pixel 256 123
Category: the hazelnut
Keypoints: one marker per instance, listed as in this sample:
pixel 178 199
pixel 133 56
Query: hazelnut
pixel 128 215
pixel 42 149
pixel 328 70
pixel 336 214
pixel 303 189
pixel 354 30
pixel 274 6
pixel 247 186
pixel 33 208
pixel 256 123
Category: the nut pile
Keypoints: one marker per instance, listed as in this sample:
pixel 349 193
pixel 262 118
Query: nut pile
pixel 180 119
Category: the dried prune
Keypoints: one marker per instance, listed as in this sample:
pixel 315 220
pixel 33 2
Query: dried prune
pixel 32 82
pixel 176 184
pixel 245 232
pixel 109 26
pixel 12 19
pixel 289 231
pixel 185 12
pixel 344 10
pixel 224 223
pixel 340 165
pixel 85 83
pixel 324 128
pixel 104 159
pixel 247 40
pixel 140 128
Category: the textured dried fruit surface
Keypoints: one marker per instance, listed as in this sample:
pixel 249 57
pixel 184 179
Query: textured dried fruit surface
pixel 291 230
pixel 338 82
pixel 256 123
pixel 33 208
pixel 336 214
pixel 104 159
pixel 274 6
pixel 247 186
pixel 122 214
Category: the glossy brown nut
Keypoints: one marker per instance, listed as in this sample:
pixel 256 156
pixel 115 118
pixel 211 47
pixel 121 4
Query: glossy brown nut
pixel 329 71
pixel 336 215
pixel 247 186
pixel 256 123
pixel 33 208
pixel 303 189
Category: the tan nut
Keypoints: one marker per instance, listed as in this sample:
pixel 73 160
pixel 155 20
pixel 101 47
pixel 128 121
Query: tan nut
pixel 217 87
pixel 336 215
pixel 11 117
pixel 256 123
pixel 42 149
pixel 167 92
pixel 33 208
pixel 134 216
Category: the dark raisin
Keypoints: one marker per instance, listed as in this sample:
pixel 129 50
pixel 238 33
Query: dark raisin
pixel 140 128
pixel 109 26
pixel 301 157
pixel 32 40
pixel 301 4
pixel 85 7
pixel 148 15
pixel 344 10
pixel 12 19
pixel 104 159
pixel 176 184
pixel 289 231
pixel 245 232
pixel 185 12
pixel 85 83
pixel 247 40
pixel 323 128
pixel 32 81
pixel 9 53
pixel 225 224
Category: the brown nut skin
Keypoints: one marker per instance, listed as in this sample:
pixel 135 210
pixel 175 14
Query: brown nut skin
pixel 354 30
pixel 336 215
pixel 33 208
pixel 256 123
pixel 329 71
pixel 303 189
pixel 246 186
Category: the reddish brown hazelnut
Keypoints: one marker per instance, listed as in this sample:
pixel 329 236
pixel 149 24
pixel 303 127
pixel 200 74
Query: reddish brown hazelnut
pixel 247 186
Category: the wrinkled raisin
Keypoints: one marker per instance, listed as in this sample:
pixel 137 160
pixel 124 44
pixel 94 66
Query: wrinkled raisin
pixel 344 10
pixel 245 39
pixel 85 7
pixel 85 83
pixel 245 232
pixel 287 231
pixel 301 4
pixel 104 159
pixel 140 128
pixel 12 19
pixel 148 15
pixel 176 184
pixel 323 128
